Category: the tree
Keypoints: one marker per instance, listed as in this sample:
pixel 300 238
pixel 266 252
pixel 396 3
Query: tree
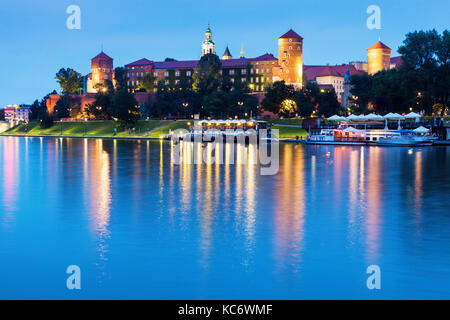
pixel 426 56
pixel 207 76
pixel 217 103
pixel 46 121
pixel 69 80
pixel 2 114
pixel 147 82
pixel 63 106
pixel 125 108
pixel 276 96
pixel 362 89
pixel 328 103
pixel 120 77
pixel 102 108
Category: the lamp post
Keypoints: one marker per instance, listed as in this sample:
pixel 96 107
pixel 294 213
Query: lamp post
pixel 240 104
pixel 185 105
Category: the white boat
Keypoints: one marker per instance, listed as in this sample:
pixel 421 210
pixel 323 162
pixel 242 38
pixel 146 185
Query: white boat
pixel 352 136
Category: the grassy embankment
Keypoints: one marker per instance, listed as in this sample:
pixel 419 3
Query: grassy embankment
pixel 150 128
pixel 289 132
pixel 86 129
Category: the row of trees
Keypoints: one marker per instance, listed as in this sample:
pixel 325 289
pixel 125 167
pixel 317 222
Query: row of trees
pixel 285 100
pixel 422 83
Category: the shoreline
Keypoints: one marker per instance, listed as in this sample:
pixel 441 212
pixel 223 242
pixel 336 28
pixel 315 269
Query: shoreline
pixel 110 137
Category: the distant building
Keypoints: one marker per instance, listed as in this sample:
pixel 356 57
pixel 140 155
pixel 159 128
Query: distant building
pixel 331 75
pixel 17 114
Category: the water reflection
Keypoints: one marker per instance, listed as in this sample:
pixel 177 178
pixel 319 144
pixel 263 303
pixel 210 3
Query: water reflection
pixel 10 168
pixel 290 209
pixel 97 184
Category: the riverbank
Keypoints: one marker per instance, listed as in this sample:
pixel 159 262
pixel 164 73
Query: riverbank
pixel 145 129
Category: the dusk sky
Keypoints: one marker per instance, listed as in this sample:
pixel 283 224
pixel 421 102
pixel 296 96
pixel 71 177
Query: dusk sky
pixel 36 42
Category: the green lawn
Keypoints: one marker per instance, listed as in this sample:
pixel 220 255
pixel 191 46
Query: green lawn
pixel 291 132
pixel 291 122
pixel 89 128
pixel 172 126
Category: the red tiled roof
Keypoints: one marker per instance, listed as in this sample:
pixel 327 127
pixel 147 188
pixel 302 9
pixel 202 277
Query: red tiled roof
pixel 312 72
pixel 102 55
pixel 234 63
pixel 192 64
pixel 189 64
pixel 142 62
pixel 397 61
pixel 291 34
pixel 264 57
pixel 379 45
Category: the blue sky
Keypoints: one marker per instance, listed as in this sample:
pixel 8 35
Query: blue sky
pixel 35 42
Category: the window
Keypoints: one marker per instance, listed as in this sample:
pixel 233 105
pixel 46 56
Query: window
pixel 268 70
pixel 128 75
pixel 232 72
pixel 177 73
pixel 252 71
pixel 290 40
pixel 244 71
pixel 257 71
pixel 188 73
pixel 290 47
pixel 166 73
pixel 177 81
pixel 155 74
pixel 251 80
pixel 232 80
pixel 166 82
pixel 243 80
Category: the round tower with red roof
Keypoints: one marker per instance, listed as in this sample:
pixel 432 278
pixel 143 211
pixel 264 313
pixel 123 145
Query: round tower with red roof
pixel 102 69
pixel 290 58
pixel 379 58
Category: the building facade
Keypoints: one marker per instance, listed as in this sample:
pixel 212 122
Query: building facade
pixel 102 70
pixel 17 114
pixel 290 59
pixel 379 58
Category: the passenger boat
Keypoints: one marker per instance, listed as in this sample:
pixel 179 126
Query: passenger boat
pixel 347 135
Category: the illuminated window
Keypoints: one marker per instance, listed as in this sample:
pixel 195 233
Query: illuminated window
pixel 177 73
pixel 244 71
pixel 188 73
pixel 232 72
pixel 166 73
pixel 155 74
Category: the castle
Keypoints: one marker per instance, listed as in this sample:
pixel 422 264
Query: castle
pixel 256 72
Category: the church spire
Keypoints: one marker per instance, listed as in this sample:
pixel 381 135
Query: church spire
pixel 208 45
pixel 242 51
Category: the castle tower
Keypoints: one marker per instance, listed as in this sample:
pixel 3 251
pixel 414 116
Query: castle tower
pixel 290 58
pixel 102 67
pixel 227 55
pixel 208 45
pixel 379 58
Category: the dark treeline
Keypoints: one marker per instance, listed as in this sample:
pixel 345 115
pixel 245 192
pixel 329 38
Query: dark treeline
pixel 421 84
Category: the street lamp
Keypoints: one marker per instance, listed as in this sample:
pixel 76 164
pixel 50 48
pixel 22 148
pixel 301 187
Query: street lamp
pixel 240 104
pixel 185 105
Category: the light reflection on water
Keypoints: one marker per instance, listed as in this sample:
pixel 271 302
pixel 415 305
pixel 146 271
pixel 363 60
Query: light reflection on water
pixel 141 226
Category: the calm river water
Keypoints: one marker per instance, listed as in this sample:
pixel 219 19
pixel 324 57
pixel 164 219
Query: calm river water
pixel 140 226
